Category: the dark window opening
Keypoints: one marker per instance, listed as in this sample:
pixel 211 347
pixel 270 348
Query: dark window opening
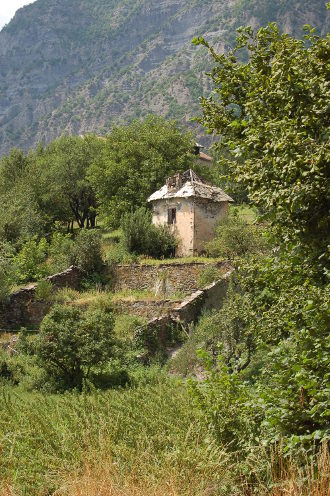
pixel 172 215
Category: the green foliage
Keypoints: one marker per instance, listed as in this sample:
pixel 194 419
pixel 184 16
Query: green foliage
pixel 10 370
pixel 271 114
pixel 30 261
pixel 87 253
pixel 61 252
pixel 21 216
pixel 44 290
pixel 291 323
pixel 60 179
pixel 7 270
pixel 227 405
pixel 142 237
pixel 235 238
pixel 72 342
pixel 135 161
pixel 207 276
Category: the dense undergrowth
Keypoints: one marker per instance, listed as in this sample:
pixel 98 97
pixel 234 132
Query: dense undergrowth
pixel 145 440
pixel 243 407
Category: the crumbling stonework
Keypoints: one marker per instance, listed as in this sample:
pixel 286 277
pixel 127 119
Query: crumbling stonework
pixel 163 279
pixel 188 311
pixel 145 308
pixel 22 308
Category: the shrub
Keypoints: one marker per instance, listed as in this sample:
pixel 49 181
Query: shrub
pixel 73 342
pixel 44 290
pixel 87 251
pixel 30 262
pixel 7 272
pixel 207 276
pixel 141 237
pixel 61 252
pixel 234 238
pixel 228 406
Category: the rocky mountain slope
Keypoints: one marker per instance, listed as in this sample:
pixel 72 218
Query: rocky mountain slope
pixel 76 66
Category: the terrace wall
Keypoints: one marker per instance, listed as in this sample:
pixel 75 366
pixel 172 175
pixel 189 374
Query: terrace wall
pixel 166 279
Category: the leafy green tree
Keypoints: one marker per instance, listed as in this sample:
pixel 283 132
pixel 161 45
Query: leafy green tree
pixel 135 162
pixel 21 216
pixel 61 182
pixel 72 343
pixel 271 114
pixel 7 270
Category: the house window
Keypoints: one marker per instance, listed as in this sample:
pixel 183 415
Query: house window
pixel 171 215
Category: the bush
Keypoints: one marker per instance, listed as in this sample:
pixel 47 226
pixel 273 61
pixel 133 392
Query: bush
pixel 7 272
pixel 30 262
pixel 61 252
pixel 234 238
pixel 73 342
pixel 207 276
pixel 228 406
pixel 44 290
pixel 87 251
pixel 141 237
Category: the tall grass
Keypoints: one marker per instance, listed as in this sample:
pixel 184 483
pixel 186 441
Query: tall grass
pixel 144 441
pixel 148 431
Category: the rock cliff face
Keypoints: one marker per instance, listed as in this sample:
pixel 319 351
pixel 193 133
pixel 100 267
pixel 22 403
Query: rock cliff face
pixel 78 66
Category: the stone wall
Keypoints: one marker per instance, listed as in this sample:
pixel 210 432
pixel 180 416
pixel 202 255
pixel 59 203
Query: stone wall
pixel 188 311
pixel 145 308
pixel 22 308
pixel 166 279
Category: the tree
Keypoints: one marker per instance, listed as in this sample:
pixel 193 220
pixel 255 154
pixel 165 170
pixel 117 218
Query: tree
pixel 135 162
pixel 271 116
pixel 61 181
pixel 21 216
pixel 7 271
pixel 73 342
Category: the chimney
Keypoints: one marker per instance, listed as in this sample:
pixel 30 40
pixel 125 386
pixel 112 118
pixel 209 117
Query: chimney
pixel 174 183
pixel 197 149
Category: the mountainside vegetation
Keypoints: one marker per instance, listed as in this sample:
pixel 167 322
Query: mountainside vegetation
pixel 78 66
pixel 97 402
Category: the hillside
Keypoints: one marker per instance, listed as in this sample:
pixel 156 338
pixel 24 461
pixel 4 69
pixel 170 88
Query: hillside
pixel 80 66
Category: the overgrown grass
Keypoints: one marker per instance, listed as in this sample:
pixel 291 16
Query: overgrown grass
pixel 146 440
pixel 150 430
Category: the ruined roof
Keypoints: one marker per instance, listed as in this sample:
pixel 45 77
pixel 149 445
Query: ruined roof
pixel 190 185
pixel 204 157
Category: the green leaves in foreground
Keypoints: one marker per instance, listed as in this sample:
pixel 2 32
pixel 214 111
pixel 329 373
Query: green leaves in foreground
pixel 271 116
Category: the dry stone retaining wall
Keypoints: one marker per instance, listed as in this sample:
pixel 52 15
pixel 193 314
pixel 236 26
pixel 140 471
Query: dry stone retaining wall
pixel 189 310
pixel 22 308
pixel 166 279
pixel 145 308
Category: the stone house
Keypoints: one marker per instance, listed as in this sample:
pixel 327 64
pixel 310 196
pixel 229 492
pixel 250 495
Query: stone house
pixel 192 208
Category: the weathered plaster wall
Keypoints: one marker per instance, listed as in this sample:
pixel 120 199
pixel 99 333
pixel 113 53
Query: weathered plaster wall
pixel 196 219
pixel 207 214
pixel 184 226
pixel 164 279
pixel 22 308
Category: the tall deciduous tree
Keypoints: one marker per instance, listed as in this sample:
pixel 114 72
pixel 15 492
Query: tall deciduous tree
pixel 271 114
pixel 62 183
pixel 135 162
